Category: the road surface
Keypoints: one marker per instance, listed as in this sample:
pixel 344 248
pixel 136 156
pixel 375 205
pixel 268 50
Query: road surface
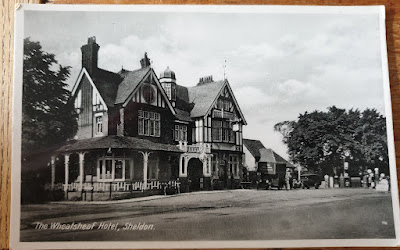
pixel 217 215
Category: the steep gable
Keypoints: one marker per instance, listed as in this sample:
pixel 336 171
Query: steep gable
pixel 85 75
pixel 107 84
pixel 130 82
pixel 203 97
pixel 263 154
pixel 132 85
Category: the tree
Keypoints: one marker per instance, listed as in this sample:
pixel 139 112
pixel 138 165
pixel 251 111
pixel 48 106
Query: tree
pixel 322 141
pixel 48 118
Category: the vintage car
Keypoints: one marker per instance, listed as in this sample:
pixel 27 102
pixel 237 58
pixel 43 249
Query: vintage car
pixel 310 180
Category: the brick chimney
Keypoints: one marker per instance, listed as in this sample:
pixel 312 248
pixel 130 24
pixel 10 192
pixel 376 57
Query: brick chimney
pixel 90 55
pixel 145 61
pixel 205 79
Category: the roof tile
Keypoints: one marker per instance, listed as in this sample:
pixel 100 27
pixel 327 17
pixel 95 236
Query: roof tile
pixel 130 82
pixel 113 141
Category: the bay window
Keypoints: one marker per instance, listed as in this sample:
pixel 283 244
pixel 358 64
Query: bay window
pixel 110 169
pixel 222 131
pixel 217 130
pixel 180 133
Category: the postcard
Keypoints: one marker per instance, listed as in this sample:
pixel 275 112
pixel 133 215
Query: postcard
pixel 202 126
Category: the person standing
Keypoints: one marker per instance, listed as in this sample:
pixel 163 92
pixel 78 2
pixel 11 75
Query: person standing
pixel 287 178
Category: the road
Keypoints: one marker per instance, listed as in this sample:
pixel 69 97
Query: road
pixel 221 215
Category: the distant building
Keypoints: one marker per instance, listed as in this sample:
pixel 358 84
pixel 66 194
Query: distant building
pixel 139 131
pixel 260 161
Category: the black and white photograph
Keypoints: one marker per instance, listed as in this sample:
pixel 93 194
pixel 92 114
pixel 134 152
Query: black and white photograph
pixel 207 126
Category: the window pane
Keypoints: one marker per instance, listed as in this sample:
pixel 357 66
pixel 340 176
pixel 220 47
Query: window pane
pixel 141 126
pixel 146 127
pixel 118 169
pixel 217 134
pixel 108 169
pixel 176 135
pixel 151 127
pixel 184 135
pixel 157 128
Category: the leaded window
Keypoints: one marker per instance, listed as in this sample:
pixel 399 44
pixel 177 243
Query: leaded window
pixel 180 133
pixel 149 123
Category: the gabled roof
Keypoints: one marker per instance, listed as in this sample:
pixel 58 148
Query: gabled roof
pixel 130 82
pixel 107 84
pixel 263 154
pixel 254 147
pixel 267 155
pixel 203 97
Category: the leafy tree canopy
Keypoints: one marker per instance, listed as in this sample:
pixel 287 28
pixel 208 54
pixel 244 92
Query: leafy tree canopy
pixel 48 117
pixel 322 141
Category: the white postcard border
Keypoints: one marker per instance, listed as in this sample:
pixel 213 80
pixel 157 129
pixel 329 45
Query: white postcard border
pixel 17 115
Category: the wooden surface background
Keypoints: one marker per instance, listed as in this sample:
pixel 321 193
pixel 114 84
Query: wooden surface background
pixel 6 55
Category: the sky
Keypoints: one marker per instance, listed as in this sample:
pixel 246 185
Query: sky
pixel 278 65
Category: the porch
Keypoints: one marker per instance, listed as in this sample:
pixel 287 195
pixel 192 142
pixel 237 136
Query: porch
pixel 124 164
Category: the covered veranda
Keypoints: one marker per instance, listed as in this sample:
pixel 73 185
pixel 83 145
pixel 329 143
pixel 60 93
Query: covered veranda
pixel 123 164
pixel 114 163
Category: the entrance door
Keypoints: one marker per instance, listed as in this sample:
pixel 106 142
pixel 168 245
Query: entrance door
pixel 195 172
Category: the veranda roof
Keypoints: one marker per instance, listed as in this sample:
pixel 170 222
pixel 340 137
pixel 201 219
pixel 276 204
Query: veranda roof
pixel 119 142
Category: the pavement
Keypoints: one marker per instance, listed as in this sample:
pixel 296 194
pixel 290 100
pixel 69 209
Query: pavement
pixel 221 215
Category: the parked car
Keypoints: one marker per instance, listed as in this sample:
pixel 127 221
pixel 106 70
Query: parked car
pixel 310 180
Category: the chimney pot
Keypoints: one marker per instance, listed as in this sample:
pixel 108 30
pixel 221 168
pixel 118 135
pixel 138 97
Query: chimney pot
pixel 205 79
pixel 90 55
pixel 145 61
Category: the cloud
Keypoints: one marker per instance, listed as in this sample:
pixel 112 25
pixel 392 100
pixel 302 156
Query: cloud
pixel 291 64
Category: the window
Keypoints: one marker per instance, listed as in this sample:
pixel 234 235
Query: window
pixel 217 130
pixel 225 105
pixel 167 88
pixel 108 170
pixel 97 104
pixel 180 133
pixel 99 124
pixel 234 165
pixel 118 169
pixel 222 131
pixel 111 168
pixel 149 123
pixel 225 131
pixel 148 93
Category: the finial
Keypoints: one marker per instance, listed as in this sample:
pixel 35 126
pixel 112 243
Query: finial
pixel 224 69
